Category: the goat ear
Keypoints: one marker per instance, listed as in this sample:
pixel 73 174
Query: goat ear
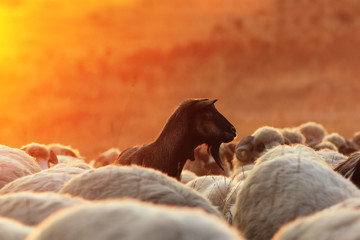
pixel 211 102
pixel 205 103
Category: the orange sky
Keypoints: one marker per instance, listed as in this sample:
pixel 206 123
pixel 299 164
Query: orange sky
pixel 88 74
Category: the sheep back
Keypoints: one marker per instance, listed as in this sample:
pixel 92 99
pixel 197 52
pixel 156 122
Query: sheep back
pixel 132 220
pixel 13 230
pixel 31 208
pixel 135 182
pixel 285 187
pixel 328 224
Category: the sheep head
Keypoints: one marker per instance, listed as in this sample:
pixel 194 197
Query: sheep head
pixel 313 132
pixel 42 154
pixel 252 147
pixel 244 149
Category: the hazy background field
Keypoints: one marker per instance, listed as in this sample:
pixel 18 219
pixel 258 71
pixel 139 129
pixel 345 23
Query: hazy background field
pixel 100 74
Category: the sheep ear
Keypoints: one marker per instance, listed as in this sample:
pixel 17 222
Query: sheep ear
pixel 244 148
pixel 53 158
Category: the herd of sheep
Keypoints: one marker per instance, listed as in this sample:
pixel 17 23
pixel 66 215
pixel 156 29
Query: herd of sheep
pixel 195 181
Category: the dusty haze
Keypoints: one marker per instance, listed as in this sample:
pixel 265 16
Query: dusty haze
pixel 100 75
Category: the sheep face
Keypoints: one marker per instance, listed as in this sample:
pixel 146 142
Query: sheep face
pixel 244 149
pixel 252 147
pixel 43 155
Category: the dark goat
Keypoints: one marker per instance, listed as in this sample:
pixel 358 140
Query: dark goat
pixel 350 168
pixel 194 122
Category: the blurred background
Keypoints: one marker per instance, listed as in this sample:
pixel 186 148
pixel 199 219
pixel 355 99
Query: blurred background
pixel 100 74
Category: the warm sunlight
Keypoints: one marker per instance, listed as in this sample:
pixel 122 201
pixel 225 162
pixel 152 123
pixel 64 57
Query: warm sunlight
pixel 7 34
pixel 87 64
pixel 162 82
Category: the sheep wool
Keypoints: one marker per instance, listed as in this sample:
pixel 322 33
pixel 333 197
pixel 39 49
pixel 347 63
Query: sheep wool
pixel 288 183
pixel 135 182
pixel 133 220
pixel 31 208
pixel 42 154
pixel 333 158
pixel 38 182
pixel 187 176
pixel 252 147
pixel 106 158
pixel 341 223
pixel 313 132
pixel 15 163
pixel 215 188
pixel 13 230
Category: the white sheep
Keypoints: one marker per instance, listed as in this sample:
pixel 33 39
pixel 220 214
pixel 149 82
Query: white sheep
pixel 133 220
pixel 31 208
pixel 341 223
pixel 351 203
pixel 67 161
pixel 286 183
pixel 63 150
pixel 220 190
pixel 11 229
pixel 326 145
pixel 350 147
pixel 15 163
pixel 313 132
pixel 106 158
pixel 333 158
pixel 201 183
pixel 344 146
pixel 135 182
pixel 214 187
pixel 21 156
pixel 51 179
pixel 228 209
pixel 67 156
pixel 240 174
pixel 356 139
pixel 67 170
pixel 292 136
pixel 38 182
pixel 42 154
pixel 187 176
pixel 252 147
pixel 285 150
pixel 336 139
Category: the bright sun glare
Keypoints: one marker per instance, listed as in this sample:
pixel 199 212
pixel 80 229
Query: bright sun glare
pixel 7 40
pixel 15 18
